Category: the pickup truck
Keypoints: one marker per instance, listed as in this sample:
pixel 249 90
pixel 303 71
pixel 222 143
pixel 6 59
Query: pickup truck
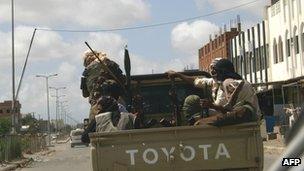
pixel 235 147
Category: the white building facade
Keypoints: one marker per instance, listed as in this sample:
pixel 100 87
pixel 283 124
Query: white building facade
pixel 250 53
pixel 286 39
pixel 272 52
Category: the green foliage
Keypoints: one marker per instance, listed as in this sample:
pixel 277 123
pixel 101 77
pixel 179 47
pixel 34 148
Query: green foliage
pixel 32 122
pixel 28 120
pixel 5 125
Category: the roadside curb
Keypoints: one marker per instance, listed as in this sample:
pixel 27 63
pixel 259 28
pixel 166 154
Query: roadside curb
pixel 64 141
pixel 15 165
pixel 273 148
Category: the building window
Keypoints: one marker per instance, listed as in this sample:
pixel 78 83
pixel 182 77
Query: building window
pixel 267 54
pixel 272 10
pixel 302 41
pixel 8 111
pixel 275 52
pixel 247 62
pixel 278 7
pixel 300 6
pixel 1 111
pixel 288 47
pixel 257 55
pixel 262 57
pixel 280 48
pixel 296 43
pixel 293 8
pixel 253 66
pixel 239 62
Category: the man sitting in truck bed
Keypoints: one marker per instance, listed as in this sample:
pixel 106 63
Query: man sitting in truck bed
pixel 241 104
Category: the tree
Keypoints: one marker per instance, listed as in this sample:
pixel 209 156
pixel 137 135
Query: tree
pixel 31 121
pixel 5 125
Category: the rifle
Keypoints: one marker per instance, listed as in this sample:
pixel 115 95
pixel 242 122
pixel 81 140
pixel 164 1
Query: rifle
pixel 175 103
pixel 140 118
pixel 105 67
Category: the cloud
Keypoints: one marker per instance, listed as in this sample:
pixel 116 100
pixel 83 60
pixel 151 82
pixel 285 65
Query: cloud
pixel 52 53
pixel 255 8
pixel 187 38
pixel 89 13
pixel 33 92
pixel 113 45
pixel 46 46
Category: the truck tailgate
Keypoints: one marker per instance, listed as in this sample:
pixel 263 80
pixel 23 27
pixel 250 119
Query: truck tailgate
pixel 179 148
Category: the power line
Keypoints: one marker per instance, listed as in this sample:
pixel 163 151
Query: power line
pixel 153 25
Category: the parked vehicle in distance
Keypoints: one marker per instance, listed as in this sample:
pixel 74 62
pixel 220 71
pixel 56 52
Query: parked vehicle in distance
pixel 75 136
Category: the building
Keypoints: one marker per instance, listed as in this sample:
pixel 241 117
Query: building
pixel 217 47
pixel 250 53
pixel 277 44
pixel 6 108
pixel 286 39
pixel 286 46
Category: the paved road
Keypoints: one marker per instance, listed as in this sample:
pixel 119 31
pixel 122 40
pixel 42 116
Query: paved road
pixel 269 159
pixel 78 159
pixel 63 159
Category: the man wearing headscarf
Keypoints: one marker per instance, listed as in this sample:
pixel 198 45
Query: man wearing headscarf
pixel 97 82
pixel 240 102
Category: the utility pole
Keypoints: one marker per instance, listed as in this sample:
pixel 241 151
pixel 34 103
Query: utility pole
pixel 57 103
pixel 47 103
pixel 13 130
pixel 62 111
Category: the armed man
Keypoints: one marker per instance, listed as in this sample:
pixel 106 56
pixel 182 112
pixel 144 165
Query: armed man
pixel 97 81
pixel 233 99
pixel 103 82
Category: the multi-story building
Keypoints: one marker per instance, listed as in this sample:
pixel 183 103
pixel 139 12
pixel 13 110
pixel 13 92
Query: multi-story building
pixel 250 53
pixel 217 47
pixel 286 39
pixel 278 45
pixel 6 108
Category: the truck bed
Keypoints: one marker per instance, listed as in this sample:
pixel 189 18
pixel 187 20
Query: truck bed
pixel 237 147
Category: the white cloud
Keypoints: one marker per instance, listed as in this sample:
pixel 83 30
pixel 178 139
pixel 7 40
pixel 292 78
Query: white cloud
pixel 187 38
pixel 52 53
pixel 61 53
pixel 89 13
pixel 46 46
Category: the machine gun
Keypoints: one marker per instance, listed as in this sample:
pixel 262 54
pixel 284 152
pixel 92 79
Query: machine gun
pixel 175 103
pixel 176 118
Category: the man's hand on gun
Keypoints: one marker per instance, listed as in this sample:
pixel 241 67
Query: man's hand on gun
pixel 171 74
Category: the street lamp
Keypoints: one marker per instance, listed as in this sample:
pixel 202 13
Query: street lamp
pixel 57 101
pixel 47 102
pixel 62 110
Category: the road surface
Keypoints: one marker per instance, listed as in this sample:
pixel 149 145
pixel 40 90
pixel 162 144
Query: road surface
pixel 64 158
pixel 78 159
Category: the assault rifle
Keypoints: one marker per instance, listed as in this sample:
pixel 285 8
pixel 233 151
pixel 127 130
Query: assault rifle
pixel 175 104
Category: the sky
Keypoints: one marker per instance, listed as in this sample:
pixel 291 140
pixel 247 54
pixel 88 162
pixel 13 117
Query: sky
pixel 157 49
